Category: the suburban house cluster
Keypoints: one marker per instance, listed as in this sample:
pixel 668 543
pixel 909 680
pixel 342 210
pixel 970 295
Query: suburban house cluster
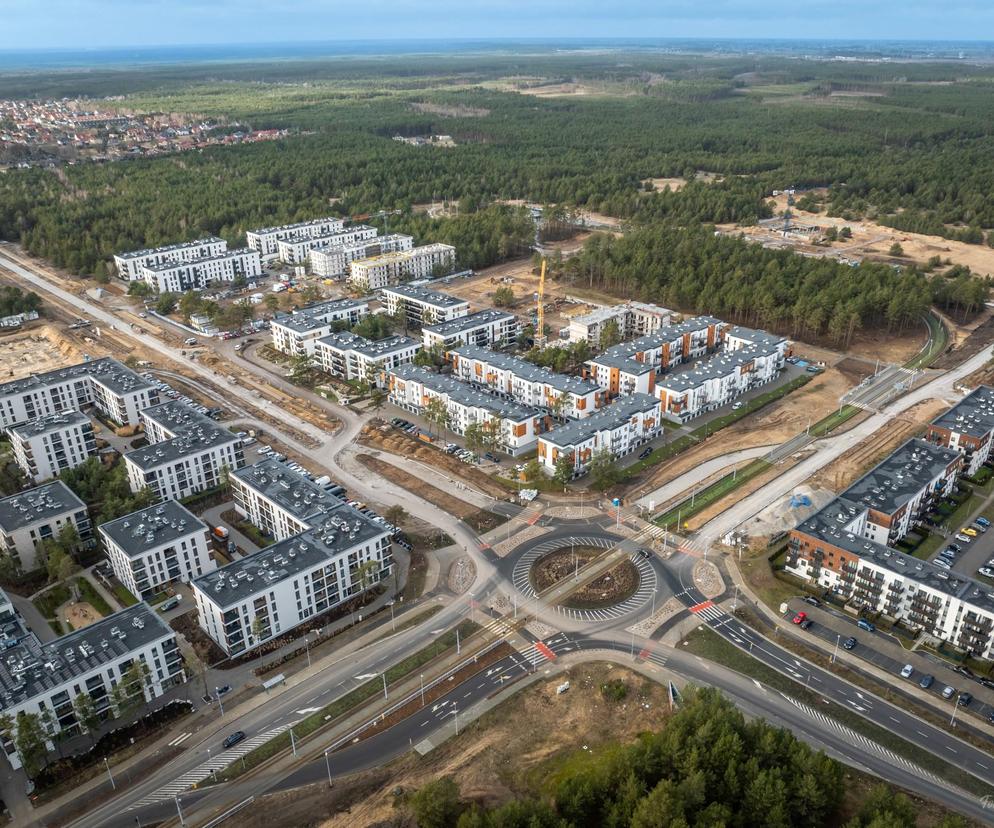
pixel 848 546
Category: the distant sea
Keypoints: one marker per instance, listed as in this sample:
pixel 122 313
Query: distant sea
pixel 53 59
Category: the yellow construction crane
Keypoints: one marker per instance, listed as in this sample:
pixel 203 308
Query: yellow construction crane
pixel 540 310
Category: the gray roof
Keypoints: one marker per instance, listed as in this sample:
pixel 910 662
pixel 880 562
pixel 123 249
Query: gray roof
pixel 468 323
pixel 973 415
pixel 30 668
pixel 756 336
pixel 466 394
pixel 316 316
pixel 194 433
pixel 622 355
pixel 49 423
pixel 325 239
pixel 35 505
pixel 608 418
pixel 720 365
pixel 374 349
pixel 108 372
pixel 829 524
pixel 152 527
pixel 894 481
pixel 300 225
pixel 220 257
pixel 426 296
pixel 526 370
pixel 168 248
pixel 291 490
pixel 335 531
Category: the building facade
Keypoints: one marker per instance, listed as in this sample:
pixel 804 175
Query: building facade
pixel 331 261
pixel 386 269
pixel 297 249
pixel 157 546
pixel 297 334
pixel 967 427
pixel 196 274
pixel 631 319
pixel 46 446
pixel 130 265
pixel 422 306
pixel 265 240
pixel 485 328
pixel 353 357
pixel 29 518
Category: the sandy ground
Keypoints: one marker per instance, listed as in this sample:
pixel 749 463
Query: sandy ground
pixel 34 351
pixel 79 615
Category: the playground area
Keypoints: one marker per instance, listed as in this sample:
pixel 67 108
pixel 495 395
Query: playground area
pixel 79 614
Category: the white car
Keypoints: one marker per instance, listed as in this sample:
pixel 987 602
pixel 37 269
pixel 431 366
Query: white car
pixel 986 571
pixel 907 671
pixel 737 406
pixel 941 563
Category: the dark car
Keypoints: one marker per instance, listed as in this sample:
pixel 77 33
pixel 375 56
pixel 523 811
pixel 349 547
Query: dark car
pixel 646 452
pixel 926 682
pixel 223 690
pixel 964 699
pixel 849 643
pixel 989 683
pixel 963 671
pixel 234 738
pixel 806 624
pixel 645 553
pixel 810 599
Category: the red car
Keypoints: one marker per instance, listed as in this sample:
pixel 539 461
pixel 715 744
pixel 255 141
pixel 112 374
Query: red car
pixel 800 618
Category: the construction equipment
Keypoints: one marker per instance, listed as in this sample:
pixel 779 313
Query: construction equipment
pixel 540 310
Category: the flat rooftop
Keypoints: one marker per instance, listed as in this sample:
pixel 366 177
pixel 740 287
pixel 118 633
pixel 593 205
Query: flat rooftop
pixel 402 255
pixel 973 415
pixel 300 225
pixel 527 371
pixel 607 419
pixel 317 316
pixel 604 314
pixel 718 366
pixel 895 480
pixel 30 668
pixel 425 296
pixel 756 336
pixel 360 244
pixel 220 257
pixel 152 527
pixel 331 239
pixel 466 394
pixel 35 505
pixel 336 531
pixel 170 248
pixel 373 349
pixel 50 423
pixel 108 372
pixel 193 433
pixel 290 490
pixel 469 323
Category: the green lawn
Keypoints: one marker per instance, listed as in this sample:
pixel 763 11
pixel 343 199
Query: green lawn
pixel 713 493
pixel 938 340
pixel 51 599
pixel 88 593
pixel 834 420
pixel 124 596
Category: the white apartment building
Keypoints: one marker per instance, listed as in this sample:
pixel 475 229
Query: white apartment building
pixel 196 274
pixel 39 514
pixel 331 261
pixel 736 337
pixel 187 453
pixel 485 328
pixel 297 249
pixel 967 427
pixel 46 446
pixel 618 428
pixel 118 392
pixel 620 374
pixel 263 595
pixel 516 427
pixel 130 265
pixel 422 306
pixel 717 381
pixel 390 268
pixel 265 240
pixel 565 397
pixel 297 333
pixel 632 319
pixel 156 546
pixel 47 678
pixel 353 357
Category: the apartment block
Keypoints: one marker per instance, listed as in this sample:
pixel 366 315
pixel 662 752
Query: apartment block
pixel 297 333
pixel 386 269
pixel 737 337
pixel 39 514
pixel 619 373
pixel 196 274
pixel 45 679
pixel 187 453
pixel 422 306
pixel 967 427
pixel 118 392
pixel 485 328
pixel 297 249
pixel 631 318
pixel 261 596
pixel 157 546
pixel 618 428
pixel 353 357
pixel 516 427
pixel 46 446
pixel 331 261
pixel 516 379
pixel 130 265
pixel 265 240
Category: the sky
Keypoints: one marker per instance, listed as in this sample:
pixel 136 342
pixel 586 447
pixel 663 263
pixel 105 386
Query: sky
pixel 83 24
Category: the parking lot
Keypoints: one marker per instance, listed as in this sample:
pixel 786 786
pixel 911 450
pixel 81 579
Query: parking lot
pixel 833 627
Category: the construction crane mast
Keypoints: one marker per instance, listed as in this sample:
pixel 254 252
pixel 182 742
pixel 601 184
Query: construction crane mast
pixel 540 310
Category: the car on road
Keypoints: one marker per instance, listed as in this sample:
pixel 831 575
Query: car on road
pixel 810 599
pixel 646 452
pixel 907 671
pixel 223 690
pixel 986 571
pixel 800 618
pixel 988 683
pixel 926 682
pixel 948 692
pixel 964 699
pixel 963 538
pixel 807 624
pixel 849 643
pixel 863 624
pixel 645 553
pixel 234 738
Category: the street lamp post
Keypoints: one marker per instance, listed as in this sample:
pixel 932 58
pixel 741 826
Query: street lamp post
pixel 327 765
pixel 384 674
pixel 179 811
pixel 393 626
pixel 838 638
pixel 113 785
pixel 422 689
pixel 307 648
pixel 220 704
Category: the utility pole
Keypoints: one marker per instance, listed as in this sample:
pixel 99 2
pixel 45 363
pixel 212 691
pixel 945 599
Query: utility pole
pixel 327 765
pixel 113 785
pixel 384 674
pixel 422 689
pixel 838 638
pixel 179 811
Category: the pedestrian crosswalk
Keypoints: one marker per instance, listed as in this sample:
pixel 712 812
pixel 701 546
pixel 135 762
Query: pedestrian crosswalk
pixel 180 739
pixel 214 764
pixel 709 611
pixel 534 655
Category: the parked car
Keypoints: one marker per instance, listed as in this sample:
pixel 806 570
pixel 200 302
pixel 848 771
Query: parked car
pixel 964 699
pixel 983 522
pixel 969 530
pixel 988 683
pixel 979 527
pixel 646 452
pixel 948 692
pixel 942 564
pixel 810 599
pixel 907 671
pixel 800 618
pixel 806 624
pixel 849 643
pixel 926 682
pixel 986 571
pixel 234 738
pixel 223 690
pixel 863 624
pixel 963 538
pixel 736 406
pixel 169 603
pixel 963 670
